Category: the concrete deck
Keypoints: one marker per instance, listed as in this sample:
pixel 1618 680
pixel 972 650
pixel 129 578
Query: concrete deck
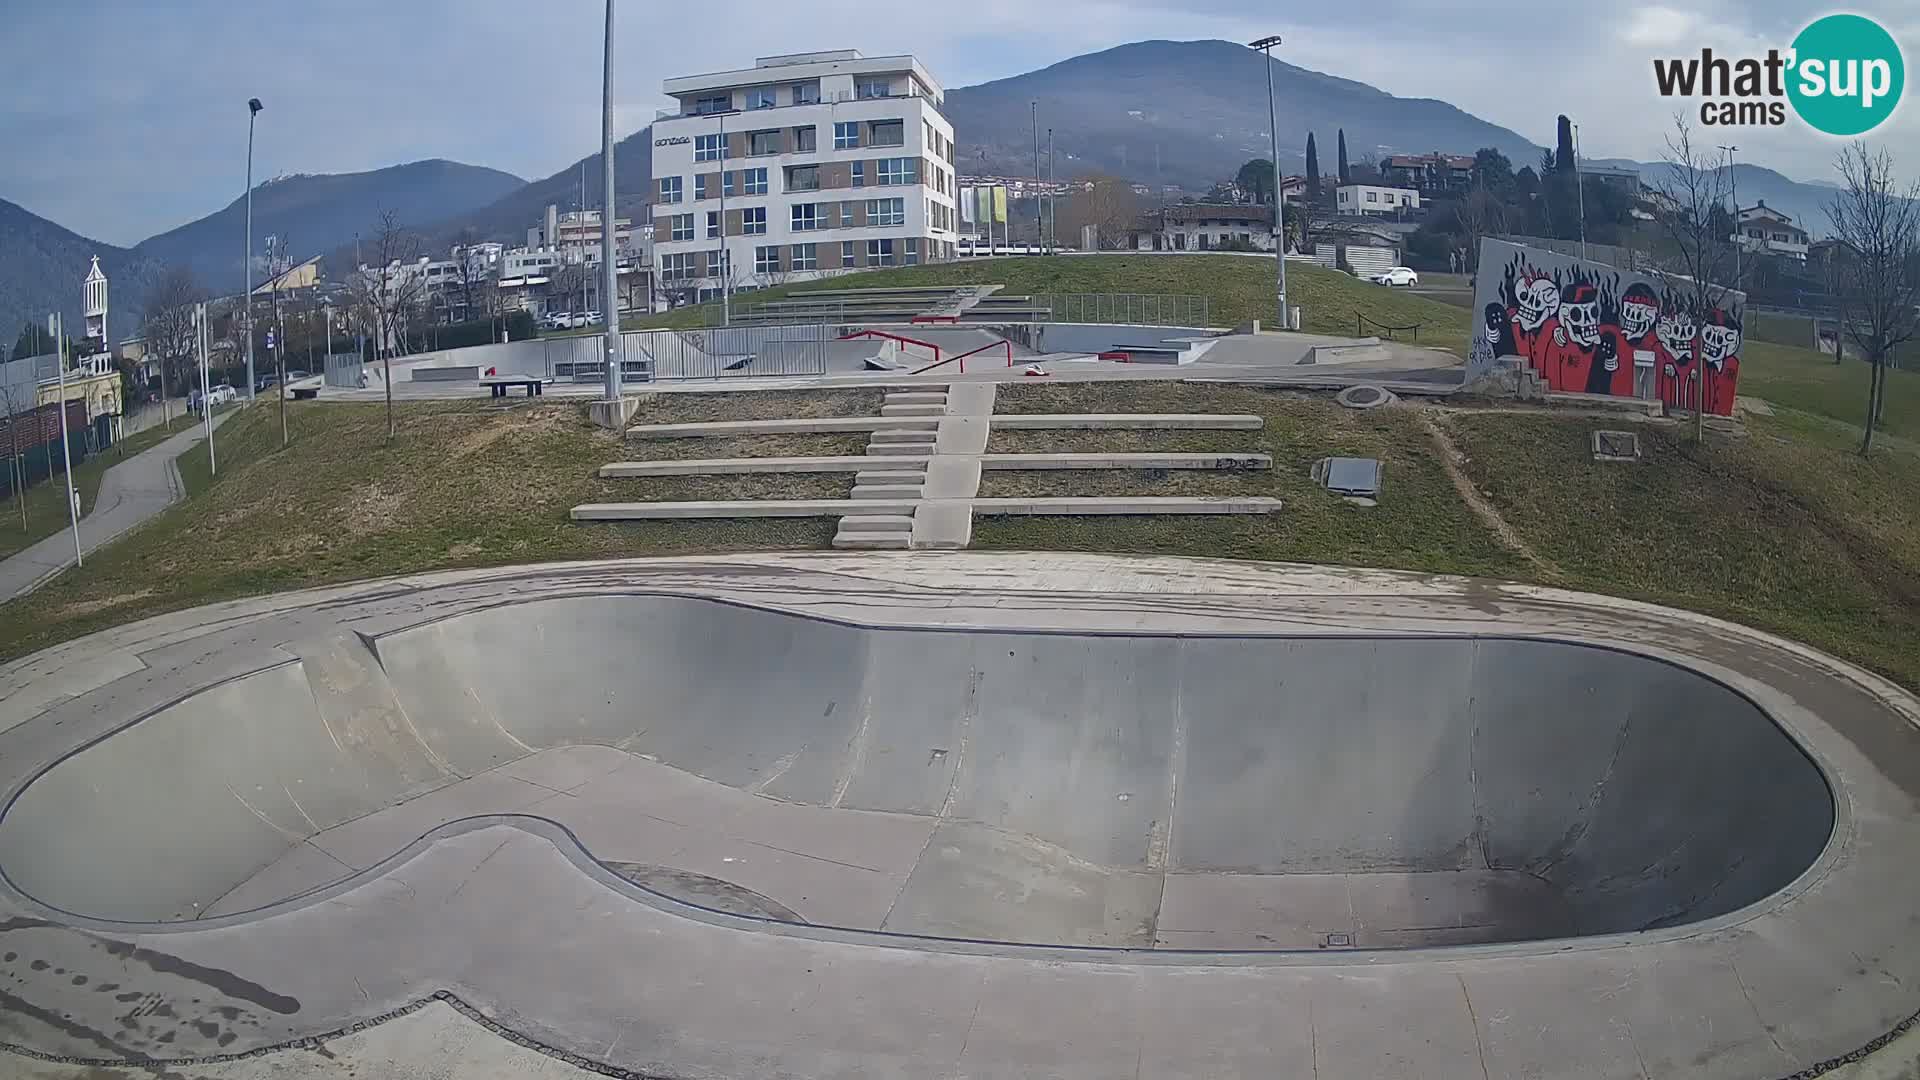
pixel 587 803
pixel 993 462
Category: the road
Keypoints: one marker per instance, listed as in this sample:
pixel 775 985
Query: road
pixel 130 493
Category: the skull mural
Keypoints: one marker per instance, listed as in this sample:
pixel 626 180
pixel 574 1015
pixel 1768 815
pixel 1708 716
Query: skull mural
pixel 1639 310
pixel 1719 339
pixel 1539 300
pixel 1580 314
pixel 1720 353
pixel 1676 332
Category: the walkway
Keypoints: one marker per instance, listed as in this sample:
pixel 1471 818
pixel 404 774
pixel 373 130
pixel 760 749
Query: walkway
pixel 130 493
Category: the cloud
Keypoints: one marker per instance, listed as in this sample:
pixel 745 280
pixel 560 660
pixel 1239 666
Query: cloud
pixel 158 136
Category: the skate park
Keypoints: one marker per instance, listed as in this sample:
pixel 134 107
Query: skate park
pixel 1073 815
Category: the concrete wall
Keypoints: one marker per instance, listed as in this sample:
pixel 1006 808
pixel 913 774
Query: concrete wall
pixel 1643 793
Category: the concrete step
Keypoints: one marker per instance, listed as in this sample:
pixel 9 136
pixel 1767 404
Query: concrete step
pixel 889 476
pixel 874 541
pixel 898 436
pixel 877 523
pixel 913 410
pixel 910 398
pixel 919 449
pixel 886 491
pixel 729 508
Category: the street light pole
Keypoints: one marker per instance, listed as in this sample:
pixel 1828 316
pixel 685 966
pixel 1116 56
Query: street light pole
pixel 1580 191
pixel 246 298
pixel 59 327
pixel 1733 192
pixel 1265 45
pixel 610 298
pixel 726 264
pixel 1039 224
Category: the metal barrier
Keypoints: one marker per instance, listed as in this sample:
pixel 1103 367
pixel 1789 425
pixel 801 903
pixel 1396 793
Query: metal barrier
pixel 1127 309
pixel 733 352
pixel 343 370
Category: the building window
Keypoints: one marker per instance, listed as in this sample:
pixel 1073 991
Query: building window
pixel 753 220
pixel 708 147
pixel 700 186
pixel 676 267
pixel 886 211
pixel 682 227
pixel 717 104
pixel 846 135
pixel 912 257
pixel 713 224
pixel 718 264
pixel 806 93
pixel 805 139
pixel 880 253
pixel 803 178
pixel 859 174
pixel 896 171
pixel 887 133
pixel 766 260
pixel 763 143
pixel 669 189
pixel 847 250
pixel 755 181
pixel 761 97
pixel 846 215
pixel 1372 196
pixel 805 217
pixel 726 184
pixel 873 88
pixel 806 257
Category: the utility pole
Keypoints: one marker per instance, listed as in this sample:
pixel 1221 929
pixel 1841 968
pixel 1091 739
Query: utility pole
pixel 246 298
pixel 726 264
pixel 1053 212
pixel 1265 45
pixel 1580 191
pixel 58 326
pixel 611 297
pixel 206 407
pixel 1039 224
pixel 1733 192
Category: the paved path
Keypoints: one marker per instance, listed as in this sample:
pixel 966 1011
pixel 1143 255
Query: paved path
pixel 130 493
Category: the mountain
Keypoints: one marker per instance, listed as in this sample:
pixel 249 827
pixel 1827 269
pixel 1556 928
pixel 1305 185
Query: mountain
pixel 1191 112
pixel 508 217
pixel 315 214
pixel 42 265
pixel 1805 201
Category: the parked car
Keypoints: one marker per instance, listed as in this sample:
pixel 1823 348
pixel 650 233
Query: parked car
pixel 222 394
pixel 1399 275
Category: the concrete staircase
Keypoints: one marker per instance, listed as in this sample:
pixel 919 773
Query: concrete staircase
pixel 899 470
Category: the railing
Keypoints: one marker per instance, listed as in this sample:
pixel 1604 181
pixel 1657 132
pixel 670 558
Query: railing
pixel 719 353
pixel 882 334
pixel 962 358
pixel 1128 309
pixel 1361 322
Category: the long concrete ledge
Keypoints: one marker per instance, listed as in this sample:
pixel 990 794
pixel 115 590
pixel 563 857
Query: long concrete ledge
pixel 1167 421
pixel 1078 505
pixel 810 425
pixel 1221 462
pixel 739 508
pixel 726 466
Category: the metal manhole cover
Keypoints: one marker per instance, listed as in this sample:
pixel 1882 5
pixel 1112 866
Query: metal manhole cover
pixel 1616 446
pixel 1364 397
pixel 1351 476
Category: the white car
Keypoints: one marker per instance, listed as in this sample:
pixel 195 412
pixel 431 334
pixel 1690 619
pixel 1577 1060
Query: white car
pixel 222 394
pixel 1399 275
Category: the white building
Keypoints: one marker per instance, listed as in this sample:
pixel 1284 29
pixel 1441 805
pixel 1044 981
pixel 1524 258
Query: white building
pixel 522 262
pixel 1762 228
pixel 802 166
pixel 1371 199
pixel 93 296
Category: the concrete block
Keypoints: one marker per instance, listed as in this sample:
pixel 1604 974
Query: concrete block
pixel 913 410
pixel 889 476
pixel 621 470
pixel 921 450
pixel 876 523
pixel 1127 505
pixel 1114 421
pixel 738 508
pixel 911 398
pixel 952 477
pixel 943 524
pixel 962 435
pixel 613 415
pixel 456 373
pixel 970 399
pixel 886 491
pixel 1211 462
pixel 804 426
pixel 899 436
pixel 873 541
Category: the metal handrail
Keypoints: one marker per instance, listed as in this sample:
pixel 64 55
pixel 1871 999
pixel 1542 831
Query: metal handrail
pixel 895 337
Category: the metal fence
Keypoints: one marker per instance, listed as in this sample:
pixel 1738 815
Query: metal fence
pixel 1129 309
pixel 794 311
pixel 733 352
pixel 343 370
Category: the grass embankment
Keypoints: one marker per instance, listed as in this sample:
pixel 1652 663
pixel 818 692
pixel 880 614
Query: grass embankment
pixel 463 484
pixel 1811 382
pixel 47 500
pixel 1238 289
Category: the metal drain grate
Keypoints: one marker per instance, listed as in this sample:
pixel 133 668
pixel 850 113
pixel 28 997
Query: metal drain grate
pixel 1616 446
pixel 1349 476
pixel 1338 940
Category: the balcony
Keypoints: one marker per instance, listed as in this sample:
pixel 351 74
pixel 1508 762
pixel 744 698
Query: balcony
pixel 836 98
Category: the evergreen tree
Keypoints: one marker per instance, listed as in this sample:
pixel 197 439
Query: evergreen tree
pixel 1346 174
pixel 1563 154
pixel 1313 168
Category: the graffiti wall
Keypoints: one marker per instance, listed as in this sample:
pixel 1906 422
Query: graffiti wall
pixel 1588 328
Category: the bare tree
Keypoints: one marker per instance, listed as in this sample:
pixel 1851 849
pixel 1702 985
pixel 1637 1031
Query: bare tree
pixel 166 322
pixel 1878 225
pixel 1109 205
pixel 387 290
pixel 1699 262
pixel 567 281
pixel 11 397
pixel 471 278
pixel 1479 214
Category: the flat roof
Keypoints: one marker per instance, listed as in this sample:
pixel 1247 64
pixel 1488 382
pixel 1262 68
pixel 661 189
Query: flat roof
pixel 810 65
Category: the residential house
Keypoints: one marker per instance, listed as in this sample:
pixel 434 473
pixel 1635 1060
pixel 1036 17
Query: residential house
pixel 1762 228
pixel 1430 174
pixel 1205 227
pixel 1373 200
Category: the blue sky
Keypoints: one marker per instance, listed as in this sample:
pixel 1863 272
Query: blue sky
pixel 132 118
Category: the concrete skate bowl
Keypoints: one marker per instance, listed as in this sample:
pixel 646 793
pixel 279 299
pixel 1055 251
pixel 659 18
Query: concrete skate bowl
pixel 1192 793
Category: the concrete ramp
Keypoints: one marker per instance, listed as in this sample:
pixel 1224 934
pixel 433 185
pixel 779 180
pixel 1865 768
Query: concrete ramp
pixel 1139 791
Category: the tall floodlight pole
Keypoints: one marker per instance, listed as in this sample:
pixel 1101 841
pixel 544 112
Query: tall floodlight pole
pixel 1580 191
pixel 1265 45
pixel 611 300
pixel 59 326
pixel 246 298
pixel 204 333
pixel 1039 225
pixel 726 264
pixel 1733 191
pixel 1053 213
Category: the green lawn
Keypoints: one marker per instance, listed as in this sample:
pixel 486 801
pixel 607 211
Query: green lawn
pixel 1811 382
pixel 1238 289
pixel 47 500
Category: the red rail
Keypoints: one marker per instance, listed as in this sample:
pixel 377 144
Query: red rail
pixel 1117 354
pixel 989 345
pixel 894 337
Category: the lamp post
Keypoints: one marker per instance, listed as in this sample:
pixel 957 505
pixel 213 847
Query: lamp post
pixel 1580 191
pixel 726 264
pixel 1265 45
pixel 1733 192
pixel 58 325
pixel 610 299
pixel 246 298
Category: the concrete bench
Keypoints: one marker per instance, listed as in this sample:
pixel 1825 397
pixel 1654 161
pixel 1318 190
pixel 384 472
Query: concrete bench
pixel 500 384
